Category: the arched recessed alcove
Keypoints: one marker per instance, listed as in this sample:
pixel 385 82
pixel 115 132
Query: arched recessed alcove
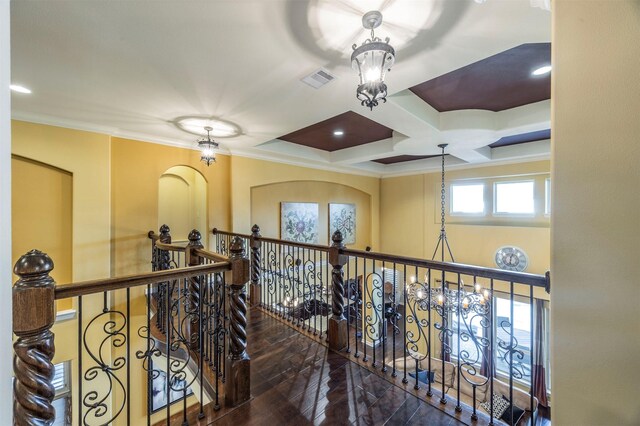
pixel 41 207
pixel 182 202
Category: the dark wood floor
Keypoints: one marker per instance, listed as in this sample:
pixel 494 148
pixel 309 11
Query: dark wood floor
pixel 298 381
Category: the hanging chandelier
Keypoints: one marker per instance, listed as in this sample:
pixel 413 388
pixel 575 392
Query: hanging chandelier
pixel 372 60
pixel 442 298
pixel 207 148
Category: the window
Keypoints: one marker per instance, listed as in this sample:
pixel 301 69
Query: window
pixel 514 197
pixel 62 399
pixel 547 196
pixel 469 326
pixel 501 333
pixel 521 334
pixel 467 198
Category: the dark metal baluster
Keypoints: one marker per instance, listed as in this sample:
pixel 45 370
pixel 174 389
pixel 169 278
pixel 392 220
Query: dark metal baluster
pixel 395 322
pixel 404 331
pixel 445 328
pixel 429 331
pixel 148 338
pixel 315 288
pixel 128 319
pixel 357 301
pixel 458 312
pixel 349 304
pixel 365 327
pixel 80 377
pixel 511 349
pixel 376 336
pixel 168 334
pixel 201 301
pixel 491 351
pixel 532 345
pixel 384 322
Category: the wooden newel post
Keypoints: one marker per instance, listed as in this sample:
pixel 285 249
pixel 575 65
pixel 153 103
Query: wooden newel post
pixel 33 316
pixel 164 262
pixel 192 259
pixel 338 333
pixel 255 291
pixel 237 385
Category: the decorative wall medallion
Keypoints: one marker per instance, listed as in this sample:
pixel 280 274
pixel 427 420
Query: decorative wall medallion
pixel 511 259
pixel 343 217
pixel 299 222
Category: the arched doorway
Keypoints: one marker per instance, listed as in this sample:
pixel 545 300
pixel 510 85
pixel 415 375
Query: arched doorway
pixel 182 202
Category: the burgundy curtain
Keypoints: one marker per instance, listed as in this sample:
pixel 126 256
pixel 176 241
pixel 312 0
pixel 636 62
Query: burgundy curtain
pixel 538 379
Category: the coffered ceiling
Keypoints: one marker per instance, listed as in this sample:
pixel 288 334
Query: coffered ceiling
pixel 133 68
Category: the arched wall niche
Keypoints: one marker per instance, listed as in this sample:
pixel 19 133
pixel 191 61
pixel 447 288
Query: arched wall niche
pixel 37 188
pixel 266 199
pixel 182 202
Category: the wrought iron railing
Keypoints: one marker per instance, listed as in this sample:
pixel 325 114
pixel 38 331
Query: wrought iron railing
pixel 448 332
pixel 170 326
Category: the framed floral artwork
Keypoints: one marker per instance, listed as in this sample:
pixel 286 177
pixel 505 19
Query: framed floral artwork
pixel 343 217
pixel 158 397
pixel 299 222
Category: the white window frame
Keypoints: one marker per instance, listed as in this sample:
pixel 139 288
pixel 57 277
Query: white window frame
pixel 472 183
pixel 547 197
pixel 508 214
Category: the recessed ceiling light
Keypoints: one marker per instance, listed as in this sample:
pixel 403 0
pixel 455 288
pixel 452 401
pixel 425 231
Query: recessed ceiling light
pixel 19 89
pixel 338 132
pixel 542 70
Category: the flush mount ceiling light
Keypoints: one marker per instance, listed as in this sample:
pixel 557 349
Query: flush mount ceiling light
pixel 19 89
pixel 542 70
pixel 372 60
pixel 338 132
pixel 207 148
pixel 218 128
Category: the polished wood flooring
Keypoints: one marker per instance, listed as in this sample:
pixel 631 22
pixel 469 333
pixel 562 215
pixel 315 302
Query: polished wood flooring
pixel 296 380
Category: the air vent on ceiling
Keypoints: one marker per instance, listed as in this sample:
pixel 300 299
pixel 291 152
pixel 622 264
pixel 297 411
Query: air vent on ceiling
pixel 318 79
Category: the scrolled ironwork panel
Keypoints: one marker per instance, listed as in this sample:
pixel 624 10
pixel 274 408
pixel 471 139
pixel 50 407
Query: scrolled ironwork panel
pixel 106 328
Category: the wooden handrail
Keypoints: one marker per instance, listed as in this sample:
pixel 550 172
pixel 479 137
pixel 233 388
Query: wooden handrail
pixel 211 255
pixel 456 268
pixel 98 286
pixel 273 240
pixel 169 247
pixel 535 280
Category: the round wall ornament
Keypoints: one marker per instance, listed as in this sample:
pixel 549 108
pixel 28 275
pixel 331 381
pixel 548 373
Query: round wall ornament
pixel 511 259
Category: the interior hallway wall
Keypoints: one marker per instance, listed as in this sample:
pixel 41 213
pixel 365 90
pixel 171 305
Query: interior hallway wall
pixel 595 177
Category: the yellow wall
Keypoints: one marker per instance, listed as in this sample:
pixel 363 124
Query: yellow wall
pixel 595 177
pixel 182 201
pixel 87 156
pixel 247 173
pixel 410 220
pixel 41 216
pixel 266 199
pixel 136 169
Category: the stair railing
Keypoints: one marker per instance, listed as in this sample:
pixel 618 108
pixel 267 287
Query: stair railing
pixel 119 336
pixel 462 332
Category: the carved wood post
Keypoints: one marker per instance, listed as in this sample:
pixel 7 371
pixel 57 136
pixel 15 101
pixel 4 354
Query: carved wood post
pixel 255 291
pixel 237 384
pixel 164 263
pixel 192 259
pixel 33 316
pixel 338 333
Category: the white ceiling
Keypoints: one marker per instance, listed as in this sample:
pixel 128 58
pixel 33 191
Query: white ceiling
pixel 130 68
